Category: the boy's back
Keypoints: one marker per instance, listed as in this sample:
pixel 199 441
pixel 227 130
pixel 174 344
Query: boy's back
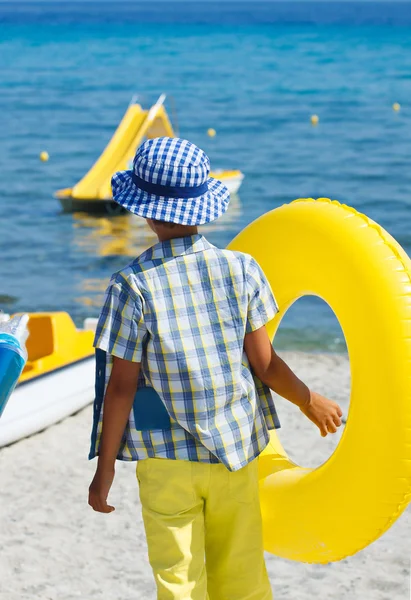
pixel 182 309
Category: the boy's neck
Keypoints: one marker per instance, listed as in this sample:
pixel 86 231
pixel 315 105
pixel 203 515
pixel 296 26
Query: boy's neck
pixel 176 232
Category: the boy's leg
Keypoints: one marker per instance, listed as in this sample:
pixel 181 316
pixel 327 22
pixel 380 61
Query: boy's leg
pixel 173 515
pixel 234 545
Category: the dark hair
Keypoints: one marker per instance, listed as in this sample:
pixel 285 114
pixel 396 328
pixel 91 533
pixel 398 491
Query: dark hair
pixel 165 223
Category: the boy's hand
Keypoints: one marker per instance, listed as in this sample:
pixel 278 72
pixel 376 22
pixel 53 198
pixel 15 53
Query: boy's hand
pixel 118 402
pixel 99 489
pixel 275 373
pixel 324 413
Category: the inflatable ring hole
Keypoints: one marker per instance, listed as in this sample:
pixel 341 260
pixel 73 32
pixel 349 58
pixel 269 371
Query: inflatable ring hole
pixel 319 357
pixel 310 325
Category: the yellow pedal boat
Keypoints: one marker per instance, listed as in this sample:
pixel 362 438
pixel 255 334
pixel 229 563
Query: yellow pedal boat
pixel 93 192
pixel 58 379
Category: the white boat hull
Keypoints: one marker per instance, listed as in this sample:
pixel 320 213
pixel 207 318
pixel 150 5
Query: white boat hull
pixel 234 183
pixel 41 402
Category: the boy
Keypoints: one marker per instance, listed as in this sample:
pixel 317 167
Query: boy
pixel 182 342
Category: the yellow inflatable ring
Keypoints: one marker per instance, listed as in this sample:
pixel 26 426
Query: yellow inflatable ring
pixel 325 249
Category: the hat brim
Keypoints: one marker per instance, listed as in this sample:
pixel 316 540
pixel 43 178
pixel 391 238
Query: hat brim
pixel 184 211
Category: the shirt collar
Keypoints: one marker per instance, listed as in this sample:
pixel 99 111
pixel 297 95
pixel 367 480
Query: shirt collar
pixel 177 247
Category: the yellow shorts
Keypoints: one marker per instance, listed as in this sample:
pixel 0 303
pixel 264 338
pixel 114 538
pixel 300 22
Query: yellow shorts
pixel 204 532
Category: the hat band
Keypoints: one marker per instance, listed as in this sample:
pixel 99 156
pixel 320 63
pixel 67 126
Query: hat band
pixel 169 191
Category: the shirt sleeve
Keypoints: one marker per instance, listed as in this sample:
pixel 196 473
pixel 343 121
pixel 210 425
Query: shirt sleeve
pixel 262 306
pixel 121 330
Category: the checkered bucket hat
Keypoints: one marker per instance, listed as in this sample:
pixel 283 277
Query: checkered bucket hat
pixel 170 181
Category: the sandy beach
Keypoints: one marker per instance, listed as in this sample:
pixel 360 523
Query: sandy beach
pixel 54 547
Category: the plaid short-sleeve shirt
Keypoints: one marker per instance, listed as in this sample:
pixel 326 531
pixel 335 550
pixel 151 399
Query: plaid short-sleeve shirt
pixel 182 309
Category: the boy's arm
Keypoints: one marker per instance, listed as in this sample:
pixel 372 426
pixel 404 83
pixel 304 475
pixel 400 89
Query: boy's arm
pixel 118 403
pixel 275 373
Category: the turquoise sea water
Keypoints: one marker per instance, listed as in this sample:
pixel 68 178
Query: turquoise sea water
pixel 255 72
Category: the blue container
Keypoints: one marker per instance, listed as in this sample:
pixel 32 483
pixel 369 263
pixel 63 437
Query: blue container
pixel 13 356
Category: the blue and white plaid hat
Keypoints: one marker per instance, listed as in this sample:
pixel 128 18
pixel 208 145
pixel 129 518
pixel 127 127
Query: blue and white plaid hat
pixel 170 181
